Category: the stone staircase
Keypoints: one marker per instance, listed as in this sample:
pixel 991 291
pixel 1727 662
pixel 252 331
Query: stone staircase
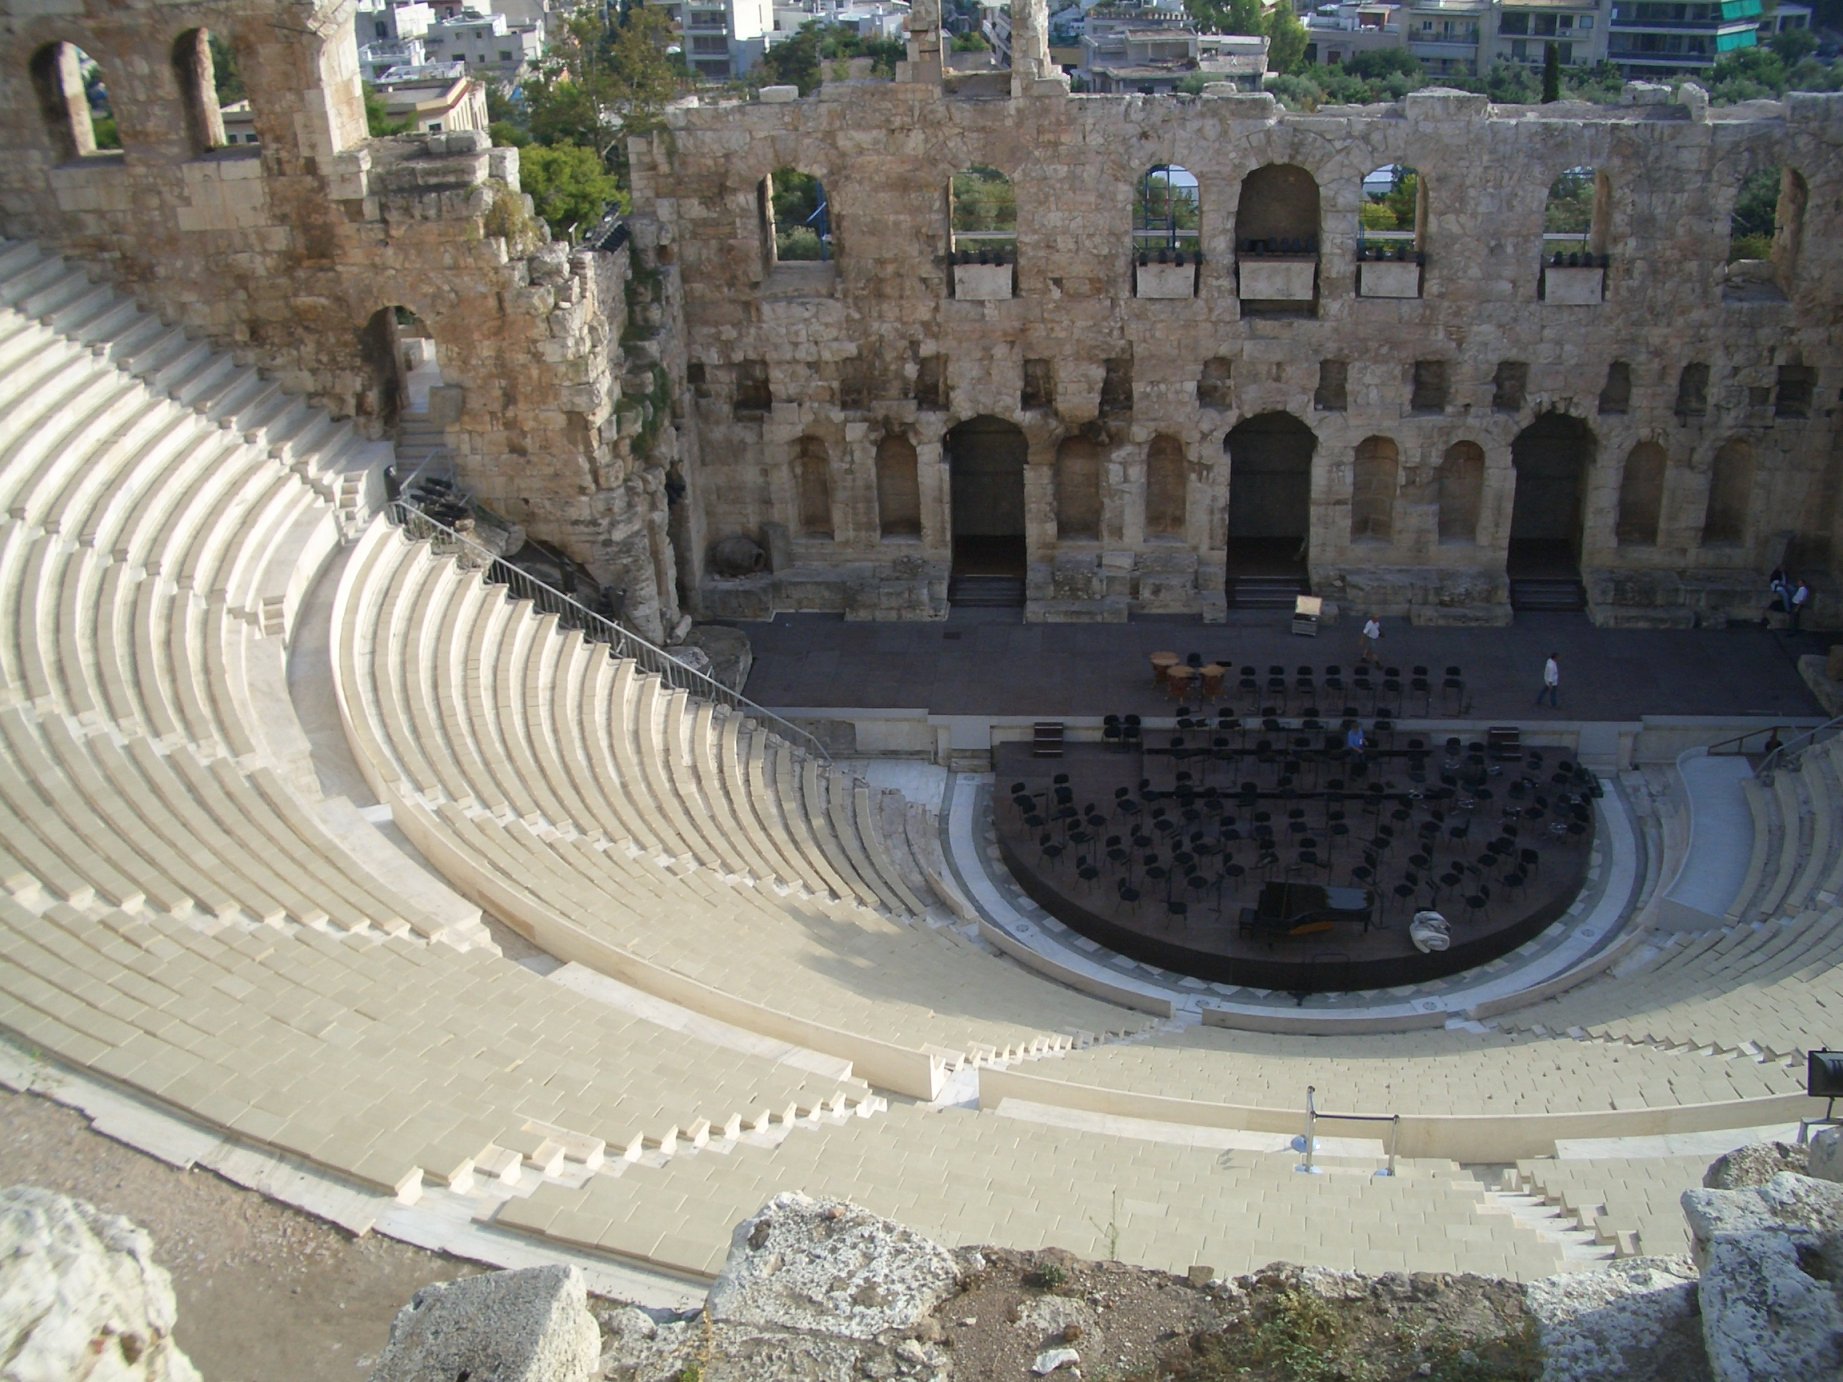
pixel 1557 594
pixel 986 592
pixel 1265 592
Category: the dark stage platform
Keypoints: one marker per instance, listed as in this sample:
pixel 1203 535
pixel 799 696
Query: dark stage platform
pixel 1166 852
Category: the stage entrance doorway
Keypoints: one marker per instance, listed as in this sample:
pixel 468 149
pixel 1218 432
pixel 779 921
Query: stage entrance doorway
pixel 1270 510
pixel 985 466
pixel 1543 558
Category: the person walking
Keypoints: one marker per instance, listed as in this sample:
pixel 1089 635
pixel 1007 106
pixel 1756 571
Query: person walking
pixel 1551 681
pixel 1366 643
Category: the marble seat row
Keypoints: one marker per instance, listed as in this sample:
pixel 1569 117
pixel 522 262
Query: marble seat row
pixel 387 1060
pixel 1631 1204
pixel 985 1177
pixel 1796 862
pixel 609 818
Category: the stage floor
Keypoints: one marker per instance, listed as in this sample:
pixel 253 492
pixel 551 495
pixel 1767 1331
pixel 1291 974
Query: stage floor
pixel 1447 811
pixel 991 663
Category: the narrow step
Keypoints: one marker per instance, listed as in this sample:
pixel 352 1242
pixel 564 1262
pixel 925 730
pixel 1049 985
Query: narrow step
pixel 1264 592
pixel 1547 593
pixel 986 592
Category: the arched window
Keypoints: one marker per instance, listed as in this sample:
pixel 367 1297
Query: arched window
pixel 1276 241
pixel 1078 490
pixel 982 216
pixel 1641 495
pixel 201 97
pixel 1166 487
pixel 796 218
pixel 1574 218
pixel 1764 234
pixel 1730 490
pixel 813 476
pixel 1389 220
pixel 73 98
pixel 898 490
pixel 1167 212
pixel 1372 490
pixel 1462 489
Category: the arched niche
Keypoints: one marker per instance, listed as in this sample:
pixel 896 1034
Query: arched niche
pixel 1575 214
pixel 1374 470
pixel 401 355
pixel 1641 496
pixel 1765 234
pixel 1078 490
pixel 1270 494
pixel 813 487
pixel 1167 211
pixel 898 488
pixel 1724 519
pixel 1461 492
pixel 1166 487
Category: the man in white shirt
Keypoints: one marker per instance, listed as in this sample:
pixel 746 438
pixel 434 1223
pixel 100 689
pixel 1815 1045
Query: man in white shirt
pixel 1551 681
pixel 1372 635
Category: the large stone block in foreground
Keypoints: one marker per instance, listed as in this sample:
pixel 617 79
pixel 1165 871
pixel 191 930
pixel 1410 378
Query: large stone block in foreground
pixel 524 1326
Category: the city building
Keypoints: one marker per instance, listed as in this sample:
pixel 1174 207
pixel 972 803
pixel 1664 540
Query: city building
pixel 1657 37
pixel 723 39
pixel 489 44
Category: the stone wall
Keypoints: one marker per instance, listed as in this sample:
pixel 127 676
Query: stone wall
pixel 877 344
pixel 286 251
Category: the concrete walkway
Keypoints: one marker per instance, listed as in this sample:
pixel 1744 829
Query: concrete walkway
pixel 1720 833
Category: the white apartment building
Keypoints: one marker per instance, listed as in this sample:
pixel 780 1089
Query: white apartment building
pixel 488 44
pixel 723 39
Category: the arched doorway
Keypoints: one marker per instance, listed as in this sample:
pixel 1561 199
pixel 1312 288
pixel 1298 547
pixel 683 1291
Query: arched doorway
pixel 1270 508
pixel 985 466
pixel 1543 559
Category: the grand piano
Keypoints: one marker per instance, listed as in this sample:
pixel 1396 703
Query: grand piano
pixel 1286 910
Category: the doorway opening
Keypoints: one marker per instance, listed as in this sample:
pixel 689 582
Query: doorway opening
pixel 1270 509
pixel 985 466
pixel 1543 559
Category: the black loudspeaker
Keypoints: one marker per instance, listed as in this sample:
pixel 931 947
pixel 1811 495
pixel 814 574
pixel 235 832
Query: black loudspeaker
pixel 1824 1074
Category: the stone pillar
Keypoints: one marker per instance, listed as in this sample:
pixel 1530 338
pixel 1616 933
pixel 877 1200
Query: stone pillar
pixel 924 43
pixel 1029 45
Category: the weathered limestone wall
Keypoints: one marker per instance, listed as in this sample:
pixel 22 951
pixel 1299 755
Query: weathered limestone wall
pixel 286 252
pixel 845 347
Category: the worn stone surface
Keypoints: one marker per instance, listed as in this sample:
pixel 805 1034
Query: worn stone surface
pixel 1635 1319
pixel 1826 1155
pixel 1772 1306
pixel 1754 1164
pixel 829 1266
pixel 81 1295
pixel 532 1325
pixel 1787 1203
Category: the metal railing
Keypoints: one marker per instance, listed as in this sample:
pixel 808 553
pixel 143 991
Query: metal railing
pixel 1736 745
pixel 1309 1143
pixel 571 614
pixel 1787 753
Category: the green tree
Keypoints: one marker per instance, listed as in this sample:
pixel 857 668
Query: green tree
pixel 598 83
pixel 794 61
pixel 107 136
pixel 377 120
pixel 972 41
pixel 569 187
pixel 224 73
pixel 1793 46
pixel 1756 215
pixel 796 197
pixel 1286 40
pixel 1551 74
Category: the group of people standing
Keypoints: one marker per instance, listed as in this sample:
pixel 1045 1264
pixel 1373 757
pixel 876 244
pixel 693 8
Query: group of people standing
pixel 1791 597
pixel 1371 636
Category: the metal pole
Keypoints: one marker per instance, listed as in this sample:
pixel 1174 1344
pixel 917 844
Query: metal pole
pixel 1394 1142
pixel 1311 1130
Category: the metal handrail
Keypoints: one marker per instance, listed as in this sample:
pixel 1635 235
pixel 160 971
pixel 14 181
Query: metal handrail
pixel 622 642
pixel 1312 1115
pixel 1721 745
pixel 1804 741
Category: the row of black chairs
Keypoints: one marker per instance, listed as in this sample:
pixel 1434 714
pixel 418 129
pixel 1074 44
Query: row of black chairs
pixel 1306 683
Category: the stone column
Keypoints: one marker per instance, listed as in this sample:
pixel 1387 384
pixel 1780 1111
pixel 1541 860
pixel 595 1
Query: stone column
pixel 924 43
pixel 1029 45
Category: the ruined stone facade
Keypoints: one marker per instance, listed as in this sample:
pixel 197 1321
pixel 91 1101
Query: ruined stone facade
pixel 289 252
pixel 1653 418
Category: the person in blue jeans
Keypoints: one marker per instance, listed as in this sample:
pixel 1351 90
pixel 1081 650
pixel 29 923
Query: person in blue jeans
pixel 1551 681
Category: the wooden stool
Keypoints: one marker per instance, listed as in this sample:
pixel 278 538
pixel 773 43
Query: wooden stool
pixel 1212 674
pixel 1162 663
pixel 1178 679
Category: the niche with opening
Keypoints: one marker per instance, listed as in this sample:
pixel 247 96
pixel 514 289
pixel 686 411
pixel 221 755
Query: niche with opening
pixel 1574 238
pixel 1215 384
pixel 1389 256
pixel 201 95
pixel 1692 392
pixel 400 351
pixel 813 480
pixel 931 383
pixel 1276 241
pixel 1166 487
pixel 1764 233
pixel 73 100
pixel 1427 393
pixel 1792 396
pixel 1616 393
pixel 1117 387
pixel 753 395
pixel 982 234
pixel 1461 492
pixel 796 222
pixel 898 489
pixel 854 384
pixel 1372 490
pixel 1078 490
pixel 1509 385
pixel 1641 496
pixel 1730 492
pixel 1039 389
pixel 1332 393
pixel 1167 220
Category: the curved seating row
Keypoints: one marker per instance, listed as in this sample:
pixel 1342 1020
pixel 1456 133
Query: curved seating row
pixel 1796 861
pixel 966 1178
pixel 1632 1204
pixel 694 855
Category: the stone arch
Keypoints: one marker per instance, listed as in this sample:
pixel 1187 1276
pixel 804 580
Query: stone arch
pixel 1166 487
pixel 1167 211
pixel 67 101
pixel 1375 469
pixel 1461 491
pixel 898 488
pixel 195 72
pixel 1393 209
pixel 399 350
pixel 1278 208
pixel 1078 490
pixel 1641 496
pixel 813 487
pixel 796 214
pixel 1724 520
